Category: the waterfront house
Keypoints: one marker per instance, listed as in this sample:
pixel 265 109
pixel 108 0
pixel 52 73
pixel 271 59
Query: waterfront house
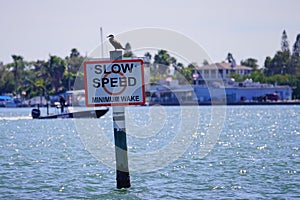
pixel 218 73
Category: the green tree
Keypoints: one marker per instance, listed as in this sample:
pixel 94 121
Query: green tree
pixel 148 55
pixel 185 74
pixel 237 77
pixel 172 60
pixel 250 62
pixel 205 62
pixel 128 52
pixel 258 76
pixel 162 57
pixel 73 64
pixel 55 70
pixel 74 53
pixel 284 42
pixel 267 66
pixel 162 60
pixel 7 84
pixel 294 66
pixel 178 66
pixel 279 64
pixel 18 63
pixel 296 46
pixel 295 82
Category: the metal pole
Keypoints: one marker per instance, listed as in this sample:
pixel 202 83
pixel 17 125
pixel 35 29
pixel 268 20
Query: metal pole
pixel 101 37
pixel 122 169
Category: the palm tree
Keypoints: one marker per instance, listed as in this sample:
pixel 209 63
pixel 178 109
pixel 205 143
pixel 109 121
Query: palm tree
pixel 162 60
pixel 55 70
pixel 74 53
pixel 17 59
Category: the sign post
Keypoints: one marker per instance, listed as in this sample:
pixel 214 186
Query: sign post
pixel 116 83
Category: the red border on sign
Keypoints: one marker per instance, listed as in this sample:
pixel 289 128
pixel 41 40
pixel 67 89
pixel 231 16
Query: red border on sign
pixel 115 104
pixel 116 93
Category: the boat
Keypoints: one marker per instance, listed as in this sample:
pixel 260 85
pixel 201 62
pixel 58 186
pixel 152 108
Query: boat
pixel 36 114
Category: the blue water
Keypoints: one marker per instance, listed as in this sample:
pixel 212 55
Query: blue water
pixel 255 157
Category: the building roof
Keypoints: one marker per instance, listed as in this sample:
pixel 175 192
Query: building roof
pixel 224 65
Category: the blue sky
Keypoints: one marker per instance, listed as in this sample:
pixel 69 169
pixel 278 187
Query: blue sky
pixel 35 28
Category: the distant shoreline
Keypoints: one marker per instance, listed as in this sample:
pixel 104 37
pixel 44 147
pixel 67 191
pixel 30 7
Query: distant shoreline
pixel 271 103
pixel 193 103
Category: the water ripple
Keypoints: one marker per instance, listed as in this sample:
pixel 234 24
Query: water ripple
pixel 256 157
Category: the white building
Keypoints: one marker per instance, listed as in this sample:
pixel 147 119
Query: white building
pixel 218 72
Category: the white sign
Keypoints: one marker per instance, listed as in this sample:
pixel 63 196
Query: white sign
pixel 114 82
